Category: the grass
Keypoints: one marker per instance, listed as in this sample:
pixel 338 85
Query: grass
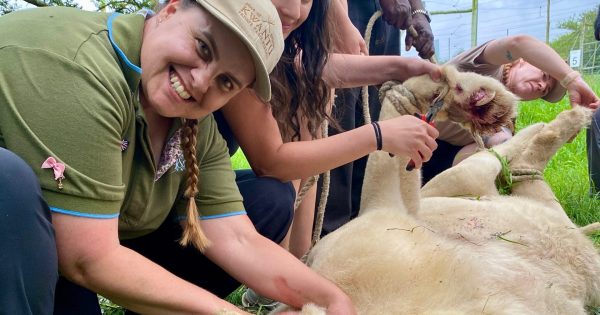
pixel 567 175
pixel 567 172
pixel 238 161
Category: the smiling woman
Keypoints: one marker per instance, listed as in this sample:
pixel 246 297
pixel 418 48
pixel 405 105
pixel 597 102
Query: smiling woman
pixel 187 73
pixel 92 154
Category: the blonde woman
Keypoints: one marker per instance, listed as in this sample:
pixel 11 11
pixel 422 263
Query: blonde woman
pixel 527 67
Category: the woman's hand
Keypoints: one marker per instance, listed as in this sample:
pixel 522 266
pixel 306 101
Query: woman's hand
pixel 342 306
pixel 413 67
pixel 268 268
pixel 409 136
pixel 581 94
pixel 348 40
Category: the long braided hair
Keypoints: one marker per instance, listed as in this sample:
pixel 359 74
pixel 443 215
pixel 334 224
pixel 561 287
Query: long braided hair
pixel 299 90
pixel 192 232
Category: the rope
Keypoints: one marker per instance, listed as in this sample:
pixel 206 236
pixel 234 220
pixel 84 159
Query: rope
pixel 396 101
pixel 520 175
pixel 322 199
pixel 508 177
pixel 326 177
pixel 367 119
pixel 365 89
pixel 307 185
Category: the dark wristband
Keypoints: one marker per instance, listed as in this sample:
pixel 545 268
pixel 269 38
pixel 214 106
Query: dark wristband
pixel 378 135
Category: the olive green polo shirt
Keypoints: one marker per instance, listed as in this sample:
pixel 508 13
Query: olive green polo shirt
pixel 69 89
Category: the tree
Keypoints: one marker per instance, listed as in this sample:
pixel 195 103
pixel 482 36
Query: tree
pixel 565 43
pixel 123 6
pixel 6 7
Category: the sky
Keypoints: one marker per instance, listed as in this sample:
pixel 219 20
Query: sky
pixel 498 18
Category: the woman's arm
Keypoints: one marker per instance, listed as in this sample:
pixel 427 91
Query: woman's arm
pixel 348 71
pixel 535 52
pixel 543 57
pixel 348 39
pixel 269 269
pixel 257 133
pixel 90 255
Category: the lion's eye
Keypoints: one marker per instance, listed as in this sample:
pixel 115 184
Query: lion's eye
pixel 458 88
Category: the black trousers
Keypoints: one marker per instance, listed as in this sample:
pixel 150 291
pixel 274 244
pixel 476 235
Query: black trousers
pixel 593 154
pixel 28 261
pixel 28 258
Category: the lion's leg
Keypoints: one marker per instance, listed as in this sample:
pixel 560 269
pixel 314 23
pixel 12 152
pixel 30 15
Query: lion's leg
pixel 540 149
pixel 473 177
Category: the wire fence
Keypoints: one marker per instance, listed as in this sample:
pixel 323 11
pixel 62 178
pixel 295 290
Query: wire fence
pixel 496 19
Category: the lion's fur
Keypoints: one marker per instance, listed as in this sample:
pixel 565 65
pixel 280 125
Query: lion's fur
pixel 467 249
pixel 457 246
pixel 460 91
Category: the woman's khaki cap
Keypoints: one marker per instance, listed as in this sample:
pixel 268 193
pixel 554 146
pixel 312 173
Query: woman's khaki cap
pixel 257 24
pixel 556 94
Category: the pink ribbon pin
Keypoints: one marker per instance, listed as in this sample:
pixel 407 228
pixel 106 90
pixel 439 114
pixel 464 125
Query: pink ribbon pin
pixel 59 168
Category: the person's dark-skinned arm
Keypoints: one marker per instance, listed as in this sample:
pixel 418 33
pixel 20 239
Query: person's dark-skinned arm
pixel 396 13
pixel 424 42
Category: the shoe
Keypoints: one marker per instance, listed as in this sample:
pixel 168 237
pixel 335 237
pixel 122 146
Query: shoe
pixel 252 299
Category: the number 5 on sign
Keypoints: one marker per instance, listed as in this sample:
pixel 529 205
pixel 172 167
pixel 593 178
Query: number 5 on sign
pixel 575 58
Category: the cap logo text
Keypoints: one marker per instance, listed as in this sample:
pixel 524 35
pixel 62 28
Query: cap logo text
pixel 261 26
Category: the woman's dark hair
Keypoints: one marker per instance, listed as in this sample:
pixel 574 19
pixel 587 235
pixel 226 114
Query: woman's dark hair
pixel 298 89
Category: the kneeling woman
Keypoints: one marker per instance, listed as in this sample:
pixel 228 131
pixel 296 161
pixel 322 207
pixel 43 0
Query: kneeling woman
pixel 121 155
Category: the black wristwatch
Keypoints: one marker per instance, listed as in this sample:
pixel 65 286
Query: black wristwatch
pixel 424 12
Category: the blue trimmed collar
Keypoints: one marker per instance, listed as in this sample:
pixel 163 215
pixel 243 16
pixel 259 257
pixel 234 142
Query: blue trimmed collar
pixel 125 34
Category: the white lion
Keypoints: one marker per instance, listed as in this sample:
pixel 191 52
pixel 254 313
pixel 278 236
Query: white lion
pixel 459 247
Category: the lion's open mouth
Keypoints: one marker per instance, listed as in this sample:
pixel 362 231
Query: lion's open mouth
pixel 482 97
pixel 481 110
pixel 480 104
